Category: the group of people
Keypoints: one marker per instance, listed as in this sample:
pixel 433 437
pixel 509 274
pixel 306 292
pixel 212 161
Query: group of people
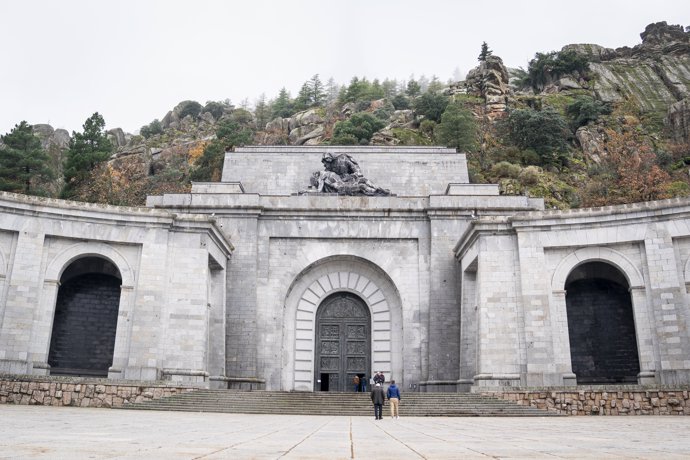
pixel 378 397
pixel 360 382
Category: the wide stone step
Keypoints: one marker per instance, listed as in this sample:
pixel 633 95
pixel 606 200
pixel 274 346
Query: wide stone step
pixel 350 404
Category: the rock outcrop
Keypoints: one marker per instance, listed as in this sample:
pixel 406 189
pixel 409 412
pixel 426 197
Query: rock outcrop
pixel 55 142
pixel 490 80
pixel 591 140
pixel 653 75
pixel 117 137
pixel 678 121
pixel 307 127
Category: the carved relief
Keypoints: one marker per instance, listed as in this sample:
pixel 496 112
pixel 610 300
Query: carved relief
pixel 330 347
pixel 330 330
pixel 356 331
pixel 356 348
pixel 330 363
pixel 344 308
pixel 356 363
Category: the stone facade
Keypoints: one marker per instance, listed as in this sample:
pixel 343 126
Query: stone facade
pixel 646 243
pixel 466 289
pixel 165 267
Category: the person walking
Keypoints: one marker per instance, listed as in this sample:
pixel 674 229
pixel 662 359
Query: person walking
pixel 378 398
pixel 393 394
pixel 355 382
pixel 379 378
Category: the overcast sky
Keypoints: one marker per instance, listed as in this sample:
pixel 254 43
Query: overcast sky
pixel 133 60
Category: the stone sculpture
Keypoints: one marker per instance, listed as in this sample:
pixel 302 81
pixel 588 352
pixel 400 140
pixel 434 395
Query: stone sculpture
pixel 343 176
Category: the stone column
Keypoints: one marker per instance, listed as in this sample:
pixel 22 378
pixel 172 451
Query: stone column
pixel 643 332
pixel 123 333
pixel 43 327
pixel 148 324
pixel 545 345
pixel 668 306
pixel 561 338
pixel 23 291
pixel 444 305
pixel 216 329
pixel 241 298
pixel 498 319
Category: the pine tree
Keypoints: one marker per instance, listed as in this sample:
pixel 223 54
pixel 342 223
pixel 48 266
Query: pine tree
pixel 316 91
pixel 390 88
pixel 485 52
pixel 375 90
pixel 24 165
pixel 332 91
pixel 86 150
pixel 261 112
pixel 413 88
pixel 457 128
pixel 423 83
pixel 435 85
pixel 303 99
pixel 282 106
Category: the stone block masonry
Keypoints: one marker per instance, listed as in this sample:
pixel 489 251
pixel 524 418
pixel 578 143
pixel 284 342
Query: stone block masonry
pixel 80 392
pixel 609 400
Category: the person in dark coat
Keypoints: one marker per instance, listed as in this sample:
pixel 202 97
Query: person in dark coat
pixel 379 378
pixel 393 394
pixel 378 397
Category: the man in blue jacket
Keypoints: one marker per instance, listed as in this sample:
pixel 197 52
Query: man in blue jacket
pixel 393 395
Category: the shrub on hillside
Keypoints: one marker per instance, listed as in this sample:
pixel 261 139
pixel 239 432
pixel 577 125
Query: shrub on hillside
pixel 544 131
pixel 192 108
pixel 153 128
pixel 505 169
pixel 553 65
pixel 358 129
pixel 586 109
pixel 431 106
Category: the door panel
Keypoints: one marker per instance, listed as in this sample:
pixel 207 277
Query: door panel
pixel 343 342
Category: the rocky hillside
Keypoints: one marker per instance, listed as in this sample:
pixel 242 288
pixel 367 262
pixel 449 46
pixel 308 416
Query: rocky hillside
pixel 621 120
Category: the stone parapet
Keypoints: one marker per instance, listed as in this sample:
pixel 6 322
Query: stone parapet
pixel 82 392
pixel 614 400
pixel 409 170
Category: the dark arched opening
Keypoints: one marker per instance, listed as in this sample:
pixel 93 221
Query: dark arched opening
pixel 343 342
pixel 83 336
pixel 601 325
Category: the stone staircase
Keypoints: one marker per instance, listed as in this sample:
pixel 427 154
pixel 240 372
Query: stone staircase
pixel 349 404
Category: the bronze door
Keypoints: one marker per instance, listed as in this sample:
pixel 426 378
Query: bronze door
pixel 343 342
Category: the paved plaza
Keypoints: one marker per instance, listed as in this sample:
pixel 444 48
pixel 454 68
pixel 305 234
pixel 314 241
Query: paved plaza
pixel 73 433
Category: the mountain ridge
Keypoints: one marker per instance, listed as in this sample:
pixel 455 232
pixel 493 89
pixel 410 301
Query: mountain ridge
pixel 643 108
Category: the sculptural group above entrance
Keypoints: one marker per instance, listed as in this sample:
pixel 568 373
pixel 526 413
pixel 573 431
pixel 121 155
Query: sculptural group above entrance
pixel 343 176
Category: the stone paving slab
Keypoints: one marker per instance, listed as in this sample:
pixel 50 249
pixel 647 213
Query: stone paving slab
pixel 74 433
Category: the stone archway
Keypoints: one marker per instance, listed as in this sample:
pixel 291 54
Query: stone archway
pixel 340 274
pixel 638 297
pixel 56 268
pixel 83 334
pixel 601 327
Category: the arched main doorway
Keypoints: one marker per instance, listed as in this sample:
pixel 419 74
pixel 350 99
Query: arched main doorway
pixel 83 335
pixel 343 342
pixel 601 325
